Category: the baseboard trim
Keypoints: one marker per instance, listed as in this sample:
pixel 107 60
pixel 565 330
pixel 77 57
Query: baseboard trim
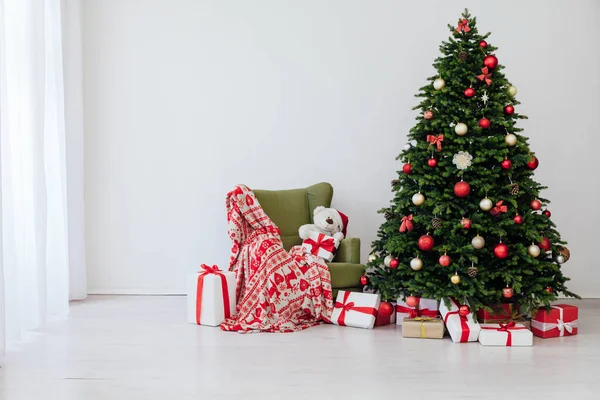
pixel 136 292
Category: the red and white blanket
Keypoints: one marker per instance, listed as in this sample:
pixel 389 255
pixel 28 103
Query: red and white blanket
pixel 276 290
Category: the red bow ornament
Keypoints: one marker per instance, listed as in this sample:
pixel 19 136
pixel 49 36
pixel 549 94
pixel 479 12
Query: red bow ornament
pixel 463 26
pixel 407 224
pixel 486 76
pixel 436 141
pixel 214 270
pixel 499 208
pixel 321 243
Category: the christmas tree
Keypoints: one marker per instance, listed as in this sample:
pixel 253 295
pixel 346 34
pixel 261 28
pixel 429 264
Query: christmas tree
pixel 467 220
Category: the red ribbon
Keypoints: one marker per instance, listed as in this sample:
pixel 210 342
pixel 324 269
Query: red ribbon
pixel 464 325
pixel 325 244
pixel 462 26
pixel 214 270
pixel 485 76
pixel 499 208
pixel 350 307
pixel 436 140
pixel 415 312
pixel 506 328
pixel 407 224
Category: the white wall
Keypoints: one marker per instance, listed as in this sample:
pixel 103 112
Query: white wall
pixel 186 98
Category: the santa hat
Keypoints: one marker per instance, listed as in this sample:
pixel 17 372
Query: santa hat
pixel 342 220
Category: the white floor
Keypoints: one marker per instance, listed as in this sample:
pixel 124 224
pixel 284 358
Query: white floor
pixel 141 348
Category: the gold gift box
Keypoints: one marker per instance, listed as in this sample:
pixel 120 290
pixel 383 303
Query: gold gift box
pixel 423 327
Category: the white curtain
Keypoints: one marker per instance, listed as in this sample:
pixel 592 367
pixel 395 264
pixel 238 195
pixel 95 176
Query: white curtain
pixel 39 201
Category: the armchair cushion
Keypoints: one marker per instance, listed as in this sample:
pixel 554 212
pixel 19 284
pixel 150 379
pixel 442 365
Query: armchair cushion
pixel 345 274
pixel 348 251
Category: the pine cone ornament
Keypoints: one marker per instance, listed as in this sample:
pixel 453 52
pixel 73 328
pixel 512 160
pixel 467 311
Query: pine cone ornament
pixel 436 223
pixel 395 182
pixel 463 55
pixel 514 189
pixel 562 250
pixel 472 271
pixel 388 215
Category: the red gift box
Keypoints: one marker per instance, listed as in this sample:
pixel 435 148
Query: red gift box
pixel 561 321
pixel 501 312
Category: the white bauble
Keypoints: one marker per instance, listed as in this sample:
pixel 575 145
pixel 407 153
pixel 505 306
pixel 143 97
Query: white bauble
pixel 533 250
pixel 416 263
pixel 512 90
pixel 418 199
pixel 461 129
pixel 372 257
pixel 439 83
pixel 486 204
pixel 407 147
pixel 560 259
pixel 387 260
pixel 478 242
pixel 510 139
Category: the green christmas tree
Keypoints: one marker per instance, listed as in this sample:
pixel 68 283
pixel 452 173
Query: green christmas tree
pixel 467 220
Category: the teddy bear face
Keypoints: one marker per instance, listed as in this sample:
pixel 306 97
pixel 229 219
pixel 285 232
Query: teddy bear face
pixel 327 220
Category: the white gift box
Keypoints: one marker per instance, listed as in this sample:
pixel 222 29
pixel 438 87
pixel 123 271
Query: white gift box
pixel 321 245
pixel 461 329
pixel 426 308
pixel 355 309
pixel 216 300
pixel 510 334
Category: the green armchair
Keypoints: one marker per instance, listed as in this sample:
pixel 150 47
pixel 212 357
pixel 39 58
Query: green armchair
pixel 290 209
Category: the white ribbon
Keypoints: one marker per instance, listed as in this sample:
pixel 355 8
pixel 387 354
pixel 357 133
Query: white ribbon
pixel 560 324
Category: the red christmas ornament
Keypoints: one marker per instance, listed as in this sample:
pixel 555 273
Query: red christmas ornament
pixel 483 44
pixel 509 110
pixel 464 310
pixel 506 164
pixel 501 250
pixel 425 243
pixel 428 115
pixel 385 309
pixel 518 219
pixel 466 223
pixel 469 92
pixel 508 292
pixel 533 163
pixel 412 301
pixel 462 189
pixel 407 168
pixel 394 263
pixel 490 61
pixel 547 213
pixel 548 289
pixel 535 205
pixel 445 260
pixel 364 280
pixel 484 123
pixel 432 162
pixel 545 244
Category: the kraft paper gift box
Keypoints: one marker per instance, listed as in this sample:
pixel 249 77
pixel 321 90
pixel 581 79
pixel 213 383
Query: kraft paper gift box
pixel 354 309
pixel 210 296
pixel 391 319
pixel 425 308
pixel 461 329
pixel 561 321
pixel 321 245
pixel 423 327
pixel 510 334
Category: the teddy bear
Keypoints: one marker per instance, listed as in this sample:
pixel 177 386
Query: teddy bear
pixel 327 221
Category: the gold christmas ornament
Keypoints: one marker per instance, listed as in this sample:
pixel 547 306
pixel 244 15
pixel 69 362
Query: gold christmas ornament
pixel 455 279
pixel 439 83
pixel 416 263
pixel 418 199
pixel 510 139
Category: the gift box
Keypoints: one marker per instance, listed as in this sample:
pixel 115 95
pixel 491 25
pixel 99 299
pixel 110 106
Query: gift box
pixel 425 308
pixel 561 321
pixel 510 334
pixel 321 245
pixel 461 328
pixel 500 313
pixel 383 320
pixel 355 309
pixel 423 327
pixel 210 296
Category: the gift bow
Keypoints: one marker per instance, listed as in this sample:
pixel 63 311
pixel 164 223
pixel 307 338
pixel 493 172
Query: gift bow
pixel 511 326
pixel 423 320
pixel 464 322
pixel 349 306
pixel 485 76
pixel 321 243
pixel 415 312
pixel 214 270
pixel 499 208
pixel 560 324
pixel 407 224
pixel 462 26
pixel 436 140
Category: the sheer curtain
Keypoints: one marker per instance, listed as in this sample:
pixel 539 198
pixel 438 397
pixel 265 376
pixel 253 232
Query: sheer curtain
pixel 37 198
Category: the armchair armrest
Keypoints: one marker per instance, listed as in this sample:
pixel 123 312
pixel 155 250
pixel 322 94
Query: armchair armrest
pixel 348 251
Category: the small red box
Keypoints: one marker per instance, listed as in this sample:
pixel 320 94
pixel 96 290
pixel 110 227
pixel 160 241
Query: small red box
pixel 391 319
pixel 561 321
pixel 502 312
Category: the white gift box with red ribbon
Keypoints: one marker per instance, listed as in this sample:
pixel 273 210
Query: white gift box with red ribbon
pixel 210 296
pixel 509 334
pixel 425 308
pixel 321 245
pixel 562 320
pixel 461 328
pixel 355 309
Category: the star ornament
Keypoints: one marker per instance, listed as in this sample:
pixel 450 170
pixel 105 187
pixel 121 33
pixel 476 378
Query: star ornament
pixel 486 76
pixel 485 97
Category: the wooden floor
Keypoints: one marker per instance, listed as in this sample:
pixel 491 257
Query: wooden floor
pixel 141 348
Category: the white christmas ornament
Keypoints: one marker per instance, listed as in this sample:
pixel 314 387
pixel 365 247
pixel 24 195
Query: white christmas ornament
pixel 407 147
pixel 533 250
pixel 486 204
pixel 462 160
pixel 560 259
pixel 418 199
pixel 416 263
pixel 439 83
pixel 372 257
pixel 512 90
pixel 461 129
pixel 485 97
pixel 478 242
pixel 510 139
pixel 387 260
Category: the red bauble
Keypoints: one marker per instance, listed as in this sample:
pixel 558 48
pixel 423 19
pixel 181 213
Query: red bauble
pixel 432 162
pixel 444 260
pixel 394 263
pixel 364 280
pixel 535 205
pixel 501 250
pixel 466 223
pixel 548 289
pixel 508 292
pixel 428 115
pixel 483 44
pixel 509 110
pixel 518 219
pixel 462 189
pixel 484 123
pixel 533 163
pixel 469 92
pixel 547 213
pixel 545 244
pixel 407 168
pixel 506 164
pixel 385 309
pixel 425 243
pixel 490 61
pixel 412 301
pixel 464 310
